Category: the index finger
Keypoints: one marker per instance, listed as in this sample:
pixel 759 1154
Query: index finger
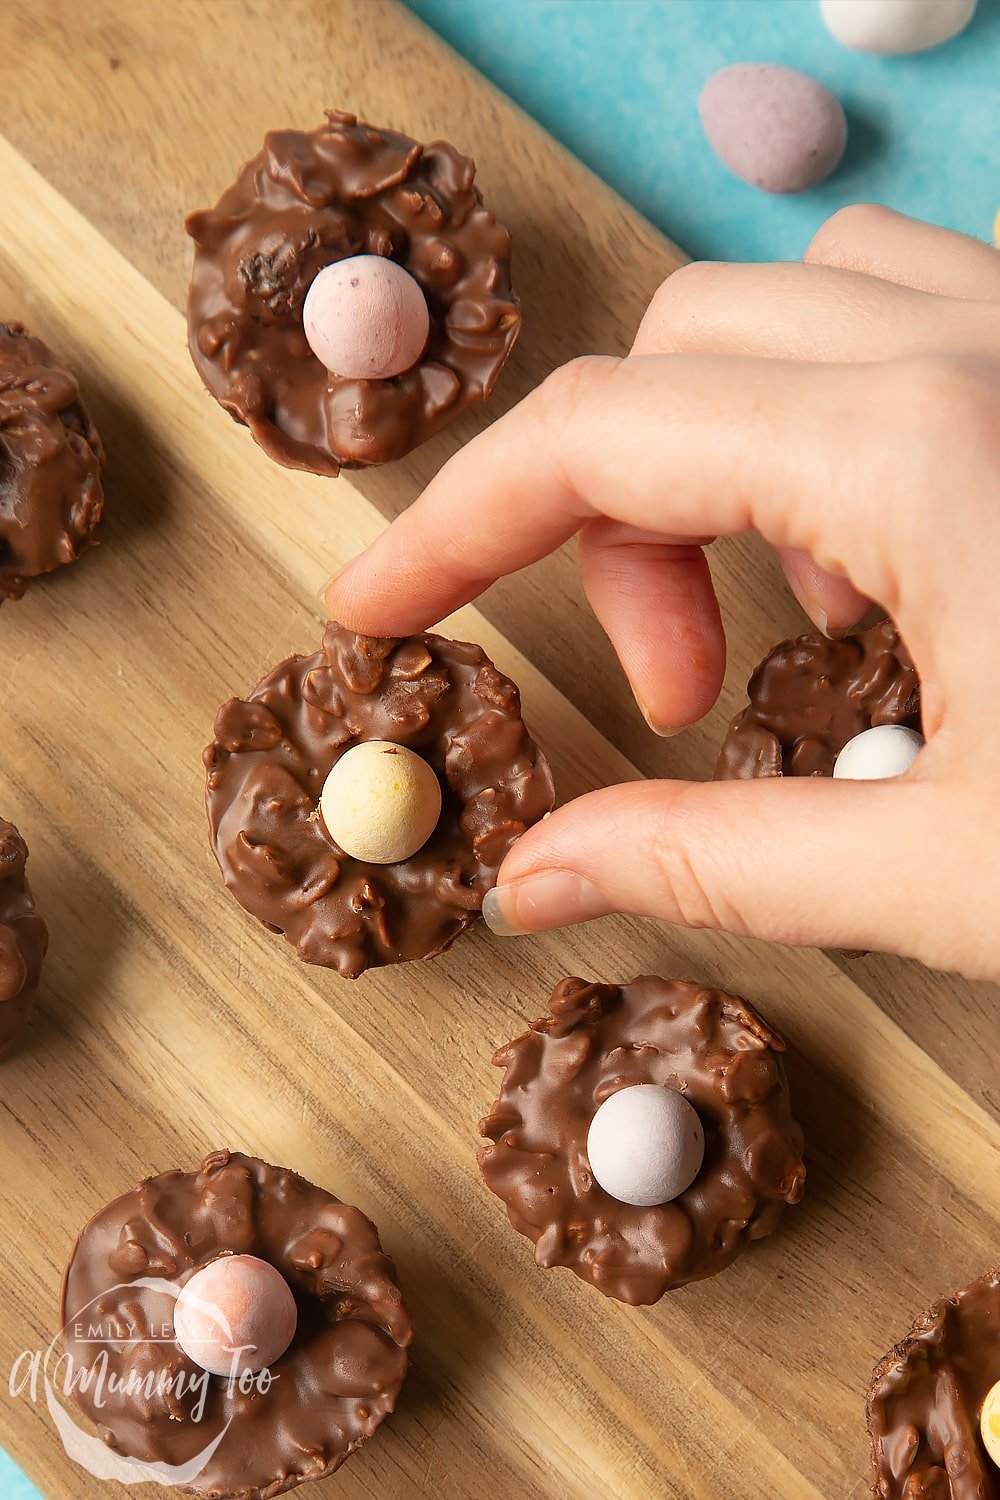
pixel 682 444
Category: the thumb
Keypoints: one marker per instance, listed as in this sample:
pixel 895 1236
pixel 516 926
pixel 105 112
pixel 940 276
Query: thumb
pixel 809 861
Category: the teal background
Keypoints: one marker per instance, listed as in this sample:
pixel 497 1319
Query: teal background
pixel 618 82
pixel 13 1485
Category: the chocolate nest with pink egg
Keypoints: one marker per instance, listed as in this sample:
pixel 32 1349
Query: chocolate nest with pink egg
pixel 600 1039
pixel 326 1394
pixel 273 752
pixel 305 202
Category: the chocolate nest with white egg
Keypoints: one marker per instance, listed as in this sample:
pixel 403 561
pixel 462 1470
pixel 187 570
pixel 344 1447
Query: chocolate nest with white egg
pixel 934 1402
pixel 361 799
pixel 813 699
pixel 643 1135
pixel 351 295
pixel 232 1332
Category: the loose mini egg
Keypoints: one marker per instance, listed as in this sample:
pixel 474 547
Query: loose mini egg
pixel 894 26
pixel 989 1423
pixel 381 802
pixel 645 1145
pixel 774 127
pixel 235 1314
pixel 366 318
pixel 876 754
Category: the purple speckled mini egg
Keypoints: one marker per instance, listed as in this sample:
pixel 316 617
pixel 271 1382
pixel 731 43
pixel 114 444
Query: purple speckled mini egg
pixel 772 126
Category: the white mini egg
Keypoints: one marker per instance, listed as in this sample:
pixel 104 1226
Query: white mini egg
pixel 646 1145
pixel 879 753
pixel 895 26
pixel 381 802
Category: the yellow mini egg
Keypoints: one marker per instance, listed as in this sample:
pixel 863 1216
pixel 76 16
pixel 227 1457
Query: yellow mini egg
pixel 381 802
pixel 989 1423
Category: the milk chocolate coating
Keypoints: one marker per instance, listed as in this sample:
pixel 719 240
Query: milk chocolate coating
pixel 309 199
pixel 810 696
pixel 23 939
pixel 925 1398
pixel 332 1387
pixel 598 1039
pixel 50 463
pixel 273 752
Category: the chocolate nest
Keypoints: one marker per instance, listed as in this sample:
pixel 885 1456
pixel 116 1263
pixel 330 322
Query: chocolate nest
pixel 51 459
pixel 23 939
pixel 330 1390
pixel 309 199
pixel 603 1037
pixel 925 1398
pixel 810 696
pixel 273 752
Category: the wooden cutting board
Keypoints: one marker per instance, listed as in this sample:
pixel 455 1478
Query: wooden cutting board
pixel 170 1024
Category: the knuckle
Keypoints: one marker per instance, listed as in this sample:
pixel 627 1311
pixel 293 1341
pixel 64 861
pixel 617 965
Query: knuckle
pixel 857 224
pixel 690 892
pixel 564 394
pixel 934 444
pixel 951 399
pixel 681 306
pixel 688 285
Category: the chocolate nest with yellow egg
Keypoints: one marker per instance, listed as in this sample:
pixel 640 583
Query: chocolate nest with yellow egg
pixel 233 1332
pixel 349 191
pixel 362 857
pixel 643 1135
pixel 934 1402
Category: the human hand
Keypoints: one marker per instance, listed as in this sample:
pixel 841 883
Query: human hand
pixel 848 410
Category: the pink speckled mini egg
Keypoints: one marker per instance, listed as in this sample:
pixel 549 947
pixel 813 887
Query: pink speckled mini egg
pixel 237 1313
pixel 772 126
pixel 366 318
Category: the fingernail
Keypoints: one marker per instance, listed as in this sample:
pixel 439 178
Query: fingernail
pixel 821 620
pixel 555 898
pixel 334 579
pixel 815 612
pixel 665 731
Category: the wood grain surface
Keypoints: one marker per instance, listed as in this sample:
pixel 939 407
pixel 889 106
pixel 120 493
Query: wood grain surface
pixel 170 1024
